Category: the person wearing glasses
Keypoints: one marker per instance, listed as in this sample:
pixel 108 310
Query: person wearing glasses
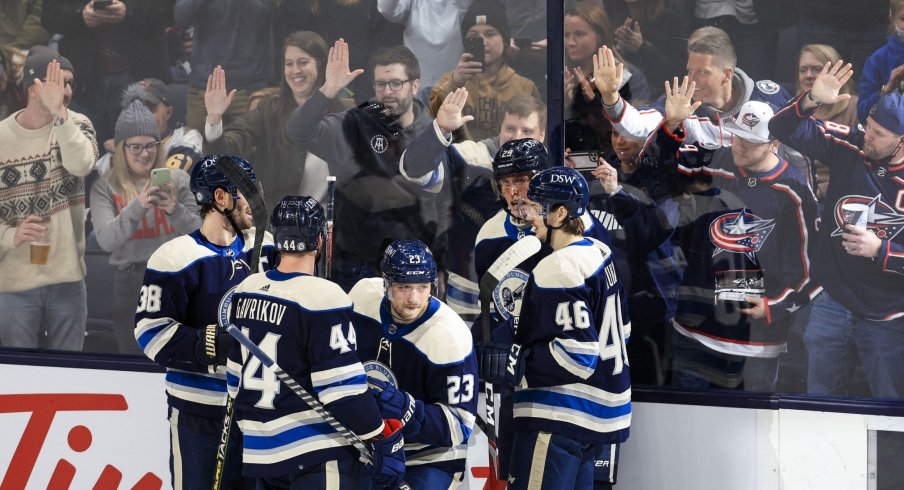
pixel 47 149
pixel 363 146
pixel 134 211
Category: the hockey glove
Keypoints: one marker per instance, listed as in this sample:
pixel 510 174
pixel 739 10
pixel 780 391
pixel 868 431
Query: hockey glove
pixel 213 345
pixel 501 362
pixel 388 466
pixel 399 405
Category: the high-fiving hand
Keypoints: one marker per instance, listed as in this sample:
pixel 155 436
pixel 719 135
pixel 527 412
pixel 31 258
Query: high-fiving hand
pixel 607 75
pixel 338 74
pixel 52 90
pixel 828 83
pixel 449 117
pixel 679 103
pixel 216 98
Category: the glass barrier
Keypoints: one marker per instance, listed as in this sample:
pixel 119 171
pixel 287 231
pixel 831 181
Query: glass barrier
pixel 758 248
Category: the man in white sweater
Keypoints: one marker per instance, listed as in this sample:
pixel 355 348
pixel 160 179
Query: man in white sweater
pixel 47 150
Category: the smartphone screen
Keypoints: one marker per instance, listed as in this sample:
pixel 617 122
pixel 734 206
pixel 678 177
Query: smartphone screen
pixel 474 45
pixel 160 176
pixel 102 4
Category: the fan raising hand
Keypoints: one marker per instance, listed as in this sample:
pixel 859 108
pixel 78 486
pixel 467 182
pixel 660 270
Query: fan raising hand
pixel 829 82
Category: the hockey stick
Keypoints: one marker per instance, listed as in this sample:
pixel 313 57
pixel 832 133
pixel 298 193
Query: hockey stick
pixel 326 256
pixel 514 255
pixel 254 194
pixel 312 402
pixel 222 321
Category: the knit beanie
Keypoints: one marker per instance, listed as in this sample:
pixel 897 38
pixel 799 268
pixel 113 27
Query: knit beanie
pixel 150 91
pixel 135 120
pixel 487 12
pixel 36 64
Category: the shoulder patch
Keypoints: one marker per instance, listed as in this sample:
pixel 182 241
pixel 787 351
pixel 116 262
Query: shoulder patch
pixel 366 296
pixel 493 228
pixel 177 254
pixel 768 87
pixel 444 338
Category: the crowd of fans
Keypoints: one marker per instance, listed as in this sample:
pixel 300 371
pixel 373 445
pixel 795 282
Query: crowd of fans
pixel 95 96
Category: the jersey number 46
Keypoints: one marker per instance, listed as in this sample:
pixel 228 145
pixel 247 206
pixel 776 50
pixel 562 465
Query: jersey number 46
pixel 571 315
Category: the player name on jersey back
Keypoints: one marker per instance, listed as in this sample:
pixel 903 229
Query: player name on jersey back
pixel 260 309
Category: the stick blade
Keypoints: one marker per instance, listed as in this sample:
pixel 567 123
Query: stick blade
pixel 514 255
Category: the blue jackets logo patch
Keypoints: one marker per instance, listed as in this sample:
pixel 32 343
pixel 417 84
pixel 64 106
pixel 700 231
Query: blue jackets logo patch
pixel 378 370
pixel 509 292
pixel 881 218
pixel 740 232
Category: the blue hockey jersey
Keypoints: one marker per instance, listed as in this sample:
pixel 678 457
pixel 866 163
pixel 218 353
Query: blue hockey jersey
pixel 747 221
pixel 304 323
pixel 872 289
pixel 433 360
pixel 186 287
pixel 575 323
pixel 494 238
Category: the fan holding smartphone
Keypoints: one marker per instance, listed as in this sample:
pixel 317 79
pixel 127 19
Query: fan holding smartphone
pixel 136 206
pixel 100 12
pixel 483 70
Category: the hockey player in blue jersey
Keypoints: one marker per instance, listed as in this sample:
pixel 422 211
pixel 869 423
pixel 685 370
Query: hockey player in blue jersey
pixel 513 166
pixel 185 293
pixel 420 363
pixel 304 323
pixel 568 362
pixel 747 240
pixel 861 268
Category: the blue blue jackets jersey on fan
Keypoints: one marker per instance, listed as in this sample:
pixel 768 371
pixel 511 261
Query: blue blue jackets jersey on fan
pixel 304 323
pixel 433 360
pixel 747 221
pixel 185 283
pixel 871 289
pixel 574 321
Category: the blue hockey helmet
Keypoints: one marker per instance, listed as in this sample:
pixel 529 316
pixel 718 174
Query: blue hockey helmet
pixel 298 222
pixel 408 262
pixel 525 155
pixel 205 178
pixel 560 185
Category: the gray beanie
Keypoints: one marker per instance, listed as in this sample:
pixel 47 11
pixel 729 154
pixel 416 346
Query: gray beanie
pixel 135 120
pixel 36 64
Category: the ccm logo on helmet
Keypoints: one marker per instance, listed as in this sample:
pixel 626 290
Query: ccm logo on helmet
pixel 562 179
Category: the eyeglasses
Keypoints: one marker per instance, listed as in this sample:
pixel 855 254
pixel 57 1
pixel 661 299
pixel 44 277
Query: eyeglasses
pixel 137 148
pixel 394 85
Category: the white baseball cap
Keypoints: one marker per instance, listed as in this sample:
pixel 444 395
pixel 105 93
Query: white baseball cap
pixel 751 123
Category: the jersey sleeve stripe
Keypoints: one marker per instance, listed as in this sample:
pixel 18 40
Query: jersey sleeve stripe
pixel 337 391
pixel 330 376
pixel 153 335
pixel 578 358
pixel 461 423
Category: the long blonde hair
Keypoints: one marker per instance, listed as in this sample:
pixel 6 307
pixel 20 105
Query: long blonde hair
pixel 825 53
pixel 120 178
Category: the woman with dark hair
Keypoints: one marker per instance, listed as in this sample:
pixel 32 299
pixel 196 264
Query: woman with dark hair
pixel 357 21
pixel 260 135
